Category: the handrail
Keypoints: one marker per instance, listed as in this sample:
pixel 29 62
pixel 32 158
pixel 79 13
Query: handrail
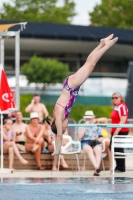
pixel 98 125
pixel 109 120
pixel 103 125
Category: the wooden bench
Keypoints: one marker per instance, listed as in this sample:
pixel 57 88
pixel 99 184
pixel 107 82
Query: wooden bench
pixel 47 160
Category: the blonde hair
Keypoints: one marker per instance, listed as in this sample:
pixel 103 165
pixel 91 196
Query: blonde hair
pixel 117 93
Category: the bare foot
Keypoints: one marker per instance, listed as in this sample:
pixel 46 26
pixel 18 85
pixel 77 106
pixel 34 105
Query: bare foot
pixel 54 168
pixel 12 169
pixel 111 42
pixel 23 161
pixel 40 168
pixel 106 39
pixel 64 165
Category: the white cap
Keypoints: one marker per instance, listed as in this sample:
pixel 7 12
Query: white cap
pixel 89 114
pixel 34 115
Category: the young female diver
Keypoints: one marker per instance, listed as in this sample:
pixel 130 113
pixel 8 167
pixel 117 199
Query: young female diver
pixel 71 88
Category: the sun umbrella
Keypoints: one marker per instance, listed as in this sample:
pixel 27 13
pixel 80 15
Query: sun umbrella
pixel 7 103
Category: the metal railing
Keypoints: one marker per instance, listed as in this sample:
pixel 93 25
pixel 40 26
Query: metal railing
pixel 108 126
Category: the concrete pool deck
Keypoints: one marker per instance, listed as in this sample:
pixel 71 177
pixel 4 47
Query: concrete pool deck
pixel 66 173
pixel 48 174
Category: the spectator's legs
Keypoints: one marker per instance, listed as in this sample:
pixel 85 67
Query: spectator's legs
pixel 11 158
pixel 36 146
pixel 16 151
pixel 38 158
pixel 51 148
pixel 63 162
pixel 98 153
pixel 12 144
pixel 88 149
pixel 55 163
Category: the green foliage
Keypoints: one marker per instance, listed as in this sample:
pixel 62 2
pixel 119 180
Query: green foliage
pixel 113 13
pixel 77 112
pixel 47 71
pixel 39 11
pixel 25 99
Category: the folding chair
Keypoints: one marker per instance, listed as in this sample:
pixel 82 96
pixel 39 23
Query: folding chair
pixel 121 141
pixel 72 130
pixel 71 147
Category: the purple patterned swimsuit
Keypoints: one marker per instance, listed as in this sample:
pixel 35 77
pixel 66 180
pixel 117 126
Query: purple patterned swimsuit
pixel 73 96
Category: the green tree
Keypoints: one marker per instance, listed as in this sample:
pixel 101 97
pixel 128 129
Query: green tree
pixel 47 71
pixel 39 11
pixel 113 13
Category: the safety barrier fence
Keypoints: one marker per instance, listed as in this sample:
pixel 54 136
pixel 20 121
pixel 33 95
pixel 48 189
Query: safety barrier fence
pixel 81 123
pixel 27 119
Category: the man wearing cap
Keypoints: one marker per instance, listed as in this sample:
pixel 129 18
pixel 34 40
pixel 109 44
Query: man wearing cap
pixel 91 137
pixel 35 142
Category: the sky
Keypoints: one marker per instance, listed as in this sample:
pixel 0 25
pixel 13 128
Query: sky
pixel 82 9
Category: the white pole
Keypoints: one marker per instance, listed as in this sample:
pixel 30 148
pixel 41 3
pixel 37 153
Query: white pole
pixel 1 141
pixel 17 68
pixel 2 51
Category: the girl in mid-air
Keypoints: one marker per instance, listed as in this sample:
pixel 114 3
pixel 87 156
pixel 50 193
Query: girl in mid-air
pixel 71 88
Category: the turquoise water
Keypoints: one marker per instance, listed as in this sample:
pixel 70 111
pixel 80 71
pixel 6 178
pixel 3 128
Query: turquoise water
pixel 66 188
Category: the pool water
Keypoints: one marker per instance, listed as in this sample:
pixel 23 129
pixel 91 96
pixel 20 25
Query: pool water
pixel 66 188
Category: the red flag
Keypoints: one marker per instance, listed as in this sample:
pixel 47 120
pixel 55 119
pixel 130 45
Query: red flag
pixel 7 103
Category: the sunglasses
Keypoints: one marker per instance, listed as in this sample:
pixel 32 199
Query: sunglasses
pixel 115 97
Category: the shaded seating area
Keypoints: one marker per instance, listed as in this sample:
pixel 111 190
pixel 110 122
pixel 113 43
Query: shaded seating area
pixel 47 160
pixel 75 163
